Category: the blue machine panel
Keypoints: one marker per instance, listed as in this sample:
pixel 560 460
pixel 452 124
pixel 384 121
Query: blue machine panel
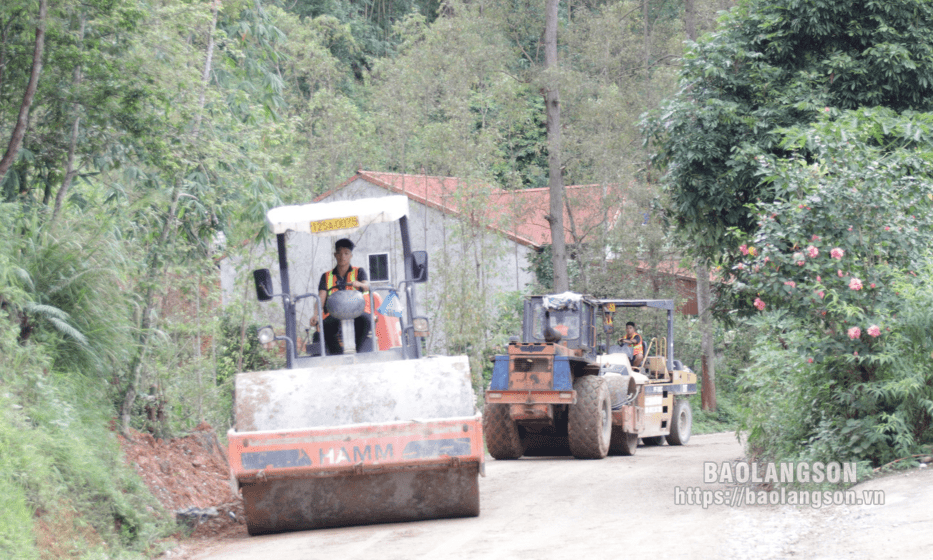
pixel 562 380
pixel 500 374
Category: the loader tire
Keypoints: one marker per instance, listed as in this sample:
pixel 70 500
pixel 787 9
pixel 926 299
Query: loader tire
pixel 503 439
pixel 622 443
pixel 681 423
pixel 589 421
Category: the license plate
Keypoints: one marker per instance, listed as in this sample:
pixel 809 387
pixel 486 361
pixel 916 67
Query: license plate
pixel 334 224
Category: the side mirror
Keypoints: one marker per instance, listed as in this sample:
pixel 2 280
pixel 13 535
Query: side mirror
pixel 419 266
pixel 263 279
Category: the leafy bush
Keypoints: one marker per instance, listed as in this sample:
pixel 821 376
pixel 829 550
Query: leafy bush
pixel 836 256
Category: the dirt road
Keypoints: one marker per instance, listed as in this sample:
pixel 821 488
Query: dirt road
pixel 623 506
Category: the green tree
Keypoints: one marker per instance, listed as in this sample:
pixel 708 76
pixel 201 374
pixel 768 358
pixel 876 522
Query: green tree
pixel 771 65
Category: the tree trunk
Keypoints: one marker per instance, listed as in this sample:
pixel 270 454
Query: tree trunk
pixel 555 171
pixel 70 170
pixel 145 327
pixel 19 131
pixel 208 62
pixel 704 295
pixel 707 350
pixel 690 20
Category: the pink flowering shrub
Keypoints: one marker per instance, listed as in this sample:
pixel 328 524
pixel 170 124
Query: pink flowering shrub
pixel 830 312
pixel 743 248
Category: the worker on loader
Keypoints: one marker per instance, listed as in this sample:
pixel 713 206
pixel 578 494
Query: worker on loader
pixel 343 277
pixel 633 339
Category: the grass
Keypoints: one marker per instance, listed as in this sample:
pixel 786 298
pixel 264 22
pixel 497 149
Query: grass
pixel 65 491
pixel 723 419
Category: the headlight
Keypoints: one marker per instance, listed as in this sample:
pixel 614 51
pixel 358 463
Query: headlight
pixel 266 335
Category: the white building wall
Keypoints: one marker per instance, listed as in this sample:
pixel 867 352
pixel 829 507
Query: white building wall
pixel 503 268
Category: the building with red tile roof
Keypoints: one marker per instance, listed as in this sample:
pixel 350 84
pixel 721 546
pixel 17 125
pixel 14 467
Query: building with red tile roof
pixel 520 215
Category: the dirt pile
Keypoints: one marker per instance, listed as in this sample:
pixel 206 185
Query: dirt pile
pixel 191 476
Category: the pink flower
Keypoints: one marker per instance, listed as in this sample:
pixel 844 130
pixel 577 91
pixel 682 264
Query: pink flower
pixel 800 206
pixel 874 331
pixel 759 304
pixel 872 284
pixel 743 248
pixel 821 293
pixel 767 260
pixel 887 228
pixel 813 252
pixel 809 360
pixel 854 333
pixel 818 279
pixel 855 284
pixel 815 238
pixel 850 227
pixel 855 353
pixel 790 283
pixel 837 253
pixel 740 266
pixel 839 272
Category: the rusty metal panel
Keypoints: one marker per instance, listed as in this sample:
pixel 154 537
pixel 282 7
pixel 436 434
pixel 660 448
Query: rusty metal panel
pixel 531 374
pixel 532 412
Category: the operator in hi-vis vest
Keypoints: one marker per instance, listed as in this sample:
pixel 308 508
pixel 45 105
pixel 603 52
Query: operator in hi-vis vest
pixel 633 339
pixel 343 277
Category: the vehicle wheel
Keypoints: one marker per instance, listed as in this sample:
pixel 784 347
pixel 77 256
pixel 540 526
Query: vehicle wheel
pixel 681 423
pixel 622 443
pixel 502 436
pixel 589 422
pixel 650 441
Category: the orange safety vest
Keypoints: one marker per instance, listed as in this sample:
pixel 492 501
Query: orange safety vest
pixel 637 348
pixel 331 280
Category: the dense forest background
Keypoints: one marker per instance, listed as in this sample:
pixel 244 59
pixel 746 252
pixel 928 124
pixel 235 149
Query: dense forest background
pixel 142 141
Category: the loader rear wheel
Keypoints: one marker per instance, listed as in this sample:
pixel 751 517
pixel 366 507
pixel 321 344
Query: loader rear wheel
pixel 503 439
pixel 681 423
pixel 589 421
pixel 622 443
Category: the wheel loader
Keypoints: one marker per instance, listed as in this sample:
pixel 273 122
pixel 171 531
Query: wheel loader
pixel 565 387
pixel 375 434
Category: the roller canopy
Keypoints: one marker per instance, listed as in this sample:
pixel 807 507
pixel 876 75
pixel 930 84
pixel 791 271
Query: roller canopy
pixel 342 217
